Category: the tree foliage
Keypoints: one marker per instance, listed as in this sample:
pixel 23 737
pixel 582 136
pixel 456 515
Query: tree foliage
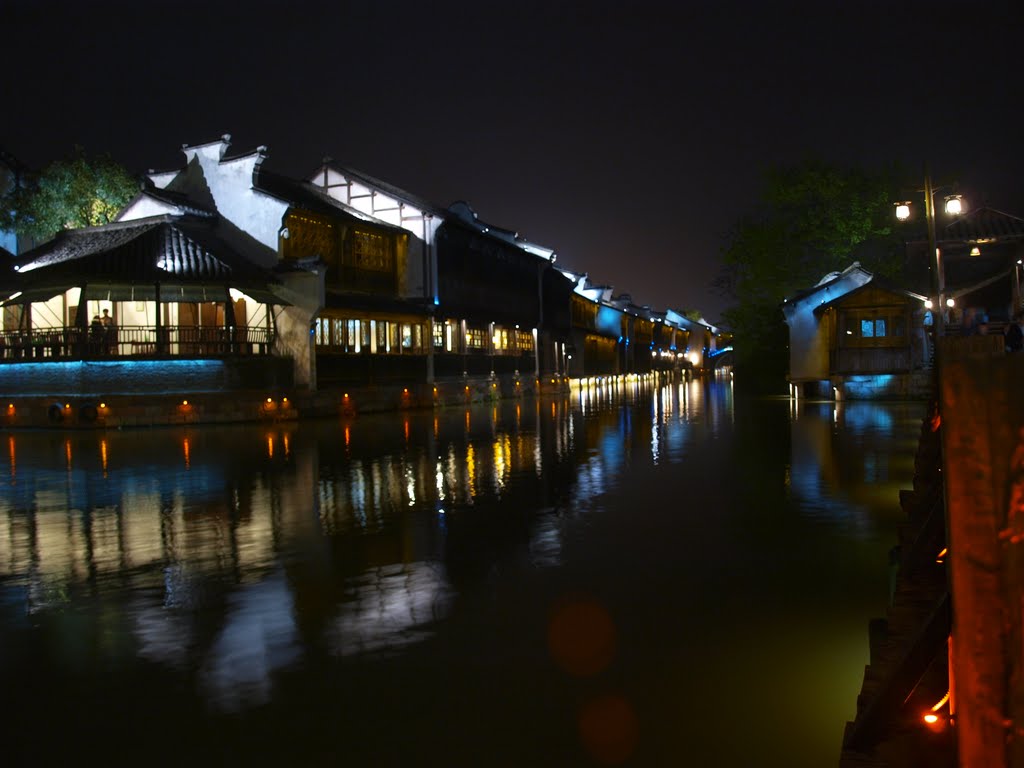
pixel 78 191
pixel 813 219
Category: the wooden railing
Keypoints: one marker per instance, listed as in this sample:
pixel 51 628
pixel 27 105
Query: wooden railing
pixel 132 341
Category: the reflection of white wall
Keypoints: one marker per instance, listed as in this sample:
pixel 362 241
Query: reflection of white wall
pixel 259 637
pixel 389 607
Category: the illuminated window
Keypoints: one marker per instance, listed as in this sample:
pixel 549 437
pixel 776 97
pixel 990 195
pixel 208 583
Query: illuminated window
pixel 365 335
pixel 371 251
pixel 352 343
pixel 406 336
pixel 438 335
pixel 500 340
pixel 323 335
pixel 872 328
pixel 524 341
pixel 476 338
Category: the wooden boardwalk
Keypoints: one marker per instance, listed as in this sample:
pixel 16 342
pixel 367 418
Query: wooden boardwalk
pixel 908 669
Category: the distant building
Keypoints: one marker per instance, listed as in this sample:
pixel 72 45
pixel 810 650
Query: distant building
pixel 855 335
pixel 222 275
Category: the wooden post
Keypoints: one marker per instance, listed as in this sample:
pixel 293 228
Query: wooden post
pixel 983 465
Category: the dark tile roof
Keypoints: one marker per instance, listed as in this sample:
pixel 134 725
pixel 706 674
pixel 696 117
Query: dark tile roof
pixel 162 249
pixel 458 212
pixel 982 225
pixel 876 281
pixel 186 203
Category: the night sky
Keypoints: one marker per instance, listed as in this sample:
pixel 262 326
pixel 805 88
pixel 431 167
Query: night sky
pixel 629 137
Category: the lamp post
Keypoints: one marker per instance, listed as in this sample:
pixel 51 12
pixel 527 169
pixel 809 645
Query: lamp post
pixel 953 206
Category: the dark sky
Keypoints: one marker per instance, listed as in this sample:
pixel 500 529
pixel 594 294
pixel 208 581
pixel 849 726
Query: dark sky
pixel 627 136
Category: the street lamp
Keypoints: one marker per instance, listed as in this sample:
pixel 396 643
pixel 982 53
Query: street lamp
pixel 953 206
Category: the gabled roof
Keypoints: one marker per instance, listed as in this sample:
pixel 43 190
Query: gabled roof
pixel 461 212
pixel 830 283
pixel 309 197
pixel 396 192
pixel 185 204
pixel 982 225
pixel 874 282
pixel 161 249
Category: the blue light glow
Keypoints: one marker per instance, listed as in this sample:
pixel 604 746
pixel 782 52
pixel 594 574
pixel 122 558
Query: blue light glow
pixel 868 386
pixel 77 378
pixel 608 321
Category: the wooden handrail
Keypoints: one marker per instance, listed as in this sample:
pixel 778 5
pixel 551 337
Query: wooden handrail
pixel 74 343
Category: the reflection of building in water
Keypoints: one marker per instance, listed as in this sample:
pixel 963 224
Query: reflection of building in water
pixel 838 473
pixel 211 551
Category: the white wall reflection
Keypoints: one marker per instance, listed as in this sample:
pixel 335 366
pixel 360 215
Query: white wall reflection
pixel 389 607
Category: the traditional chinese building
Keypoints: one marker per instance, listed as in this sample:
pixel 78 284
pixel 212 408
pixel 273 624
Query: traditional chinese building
pixel 855 335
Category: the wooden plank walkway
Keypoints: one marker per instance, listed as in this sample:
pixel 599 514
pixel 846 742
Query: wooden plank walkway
pixel 907 671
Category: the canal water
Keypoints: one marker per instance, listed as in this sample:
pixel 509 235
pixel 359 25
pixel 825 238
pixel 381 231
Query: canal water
pixel 643 577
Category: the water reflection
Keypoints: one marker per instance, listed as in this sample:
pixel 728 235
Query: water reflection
pixel 239 564
pixel 847 458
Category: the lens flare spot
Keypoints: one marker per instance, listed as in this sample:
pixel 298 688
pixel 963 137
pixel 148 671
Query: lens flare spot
pixel 608 729
pixel 581 637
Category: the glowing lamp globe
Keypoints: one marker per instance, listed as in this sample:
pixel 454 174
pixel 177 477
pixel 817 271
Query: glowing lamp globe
pixel 902 211
pixel 954 205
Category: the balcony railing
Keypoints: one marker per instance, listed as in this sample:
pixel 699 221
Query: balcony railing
pixel 132 341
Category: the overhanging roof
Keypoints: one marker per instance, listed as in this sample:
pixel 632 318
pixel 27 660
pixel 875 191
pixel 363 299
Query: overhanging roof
pixel 165 250
pixel 983 225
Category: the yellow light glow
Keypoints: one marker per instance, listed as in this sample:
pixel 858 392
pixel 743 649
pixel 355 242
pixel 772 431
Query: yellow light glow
pixel 950 303
pixel 931 718
pixel 954 205
pixel 975 251
pixel 284 399
pixel 184 402
pixel 270 399
pixel 103 405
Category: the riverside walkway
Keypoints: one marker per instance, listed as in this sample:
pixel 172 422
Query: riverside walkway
pixel 944 685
